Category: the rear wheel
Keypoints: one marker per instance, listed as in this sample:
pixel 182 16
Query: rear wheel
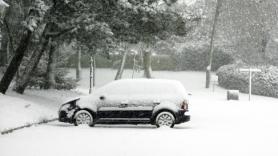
pixel 83 117
pixel 165 119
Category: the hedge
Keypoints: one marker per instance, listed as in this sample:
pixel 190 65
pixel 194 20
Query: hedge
pixel 263 83
pixel 197 59
pixel 187 59
pixel 159 62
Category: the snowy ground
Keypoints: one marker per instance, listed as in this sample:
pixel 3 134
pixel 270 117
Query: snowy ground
pixel 34 106
pixel 218 127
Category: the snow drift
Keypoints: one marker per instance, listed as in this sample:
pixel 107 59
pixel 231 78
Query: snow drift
pixel 16 112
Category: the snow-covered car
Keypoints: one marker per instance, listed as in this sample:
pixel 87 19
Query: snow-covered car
pixel 130 101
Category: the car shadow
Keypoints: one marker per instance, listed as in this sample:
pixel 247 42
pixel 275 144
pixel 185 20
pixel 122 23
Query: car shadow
pixel 181 127
pixel 60 124
pixel 138 127
pixel 125 126
pixel 177 127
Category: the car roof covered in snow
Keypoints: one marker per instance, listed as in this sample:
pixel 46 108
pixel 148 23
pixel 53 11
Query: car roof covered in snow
pixel 147 86
pixel 148 81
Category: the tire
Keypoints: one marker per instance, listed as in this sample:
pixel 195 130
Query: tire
pixel 165 119
pixel 83 117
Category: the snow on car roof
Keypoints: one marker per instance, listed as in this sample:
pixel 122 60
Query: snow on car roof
pixel 149 81
pixel 157 86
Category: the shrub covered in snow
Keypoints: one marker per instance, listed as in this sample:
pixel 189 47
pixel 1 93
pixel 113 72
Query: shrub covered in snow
pixel 263 83
pixel 62 82
pixel 38 79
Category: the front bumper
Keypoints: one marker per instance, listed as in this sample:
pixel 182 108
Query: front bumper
pixel 66 113
pixel 63 117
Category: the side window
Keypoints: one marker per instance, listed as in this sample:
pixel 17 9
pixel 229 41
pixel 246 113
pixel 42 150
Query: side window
pixel 115 89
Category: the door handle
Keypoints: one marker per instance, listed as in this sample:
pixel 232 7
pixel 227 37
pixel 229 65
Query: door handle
pixel 123 105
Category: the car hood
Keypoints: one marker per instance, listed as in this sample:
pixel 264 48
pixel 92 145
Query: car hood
pixel 89 101
pixel 71 100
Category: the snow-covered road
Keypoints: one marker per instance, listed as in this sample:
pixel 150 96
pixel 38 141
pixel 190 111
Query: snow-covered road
pixel 218 128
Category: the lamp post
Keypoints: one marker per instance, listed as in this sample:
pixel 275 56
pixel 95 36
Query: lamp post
pixel 212 38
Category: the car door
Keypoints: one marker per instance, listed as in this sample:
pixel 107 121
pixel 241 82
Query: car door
pixel 143 101
pixel 114 106
pixel 140 107
pixel 117 108
pixel 111 107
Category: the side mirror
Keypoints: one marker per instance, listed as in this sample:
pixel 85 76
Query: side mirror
pixel 102 97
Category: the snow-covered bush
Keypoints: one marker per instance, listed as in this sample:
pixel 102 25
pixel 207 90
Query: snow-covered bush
pixel 263 83
pixel 38 79
pixel 197 59
pixel 62 82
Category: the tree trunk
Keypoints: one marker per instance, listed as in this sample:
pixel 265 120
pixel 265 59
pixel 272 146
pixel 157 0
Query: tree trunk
pixel 8 53
pixel 31 66
pixel 121 67
pixel 15 62
pixel 36 56
pixel 94 70
pixel 92 73
pixel 264 43
pixel 51 66
pixel 10 46
pixel 4 48
pixel 7 40
pixel 147 64
pixel 78 65
pixel 208 75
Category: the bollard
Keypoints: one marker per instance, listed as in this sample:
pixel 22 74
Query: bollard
pixel 232 95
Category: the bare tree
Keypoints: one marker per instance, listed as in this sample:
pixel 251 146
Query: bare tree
pixel 30 23
pixel 78 64
pixel 34 61
pixel 122 64
pixel 15 62
pixel 4 52
pixel 51 66
pixel 147 64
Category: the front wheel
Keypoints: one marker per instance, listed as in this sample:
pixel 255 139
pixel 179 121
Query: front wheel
pixel 165 119
pixel 83 117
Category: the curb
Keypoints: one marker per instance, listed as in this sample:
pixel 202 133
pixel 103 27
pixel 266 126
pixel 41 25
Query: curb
pixel 28 125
